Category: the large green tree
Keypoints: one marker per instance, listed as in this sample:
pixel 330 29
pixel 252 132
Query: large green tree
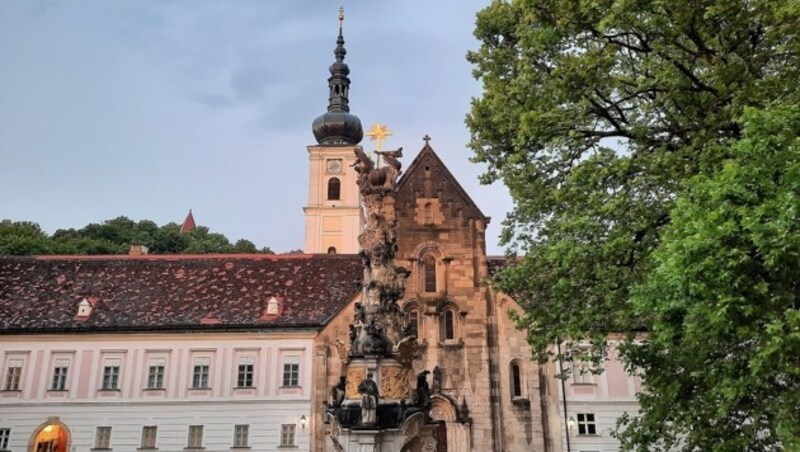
pixel 595 114
pixel 721 359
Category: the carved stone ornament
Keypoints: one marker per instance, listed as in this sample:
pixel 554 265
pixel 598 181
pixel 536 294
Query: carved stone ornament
pixel 394 382
pixel 354 377
pixel 405 351
pixel 334 431
pixel 344 355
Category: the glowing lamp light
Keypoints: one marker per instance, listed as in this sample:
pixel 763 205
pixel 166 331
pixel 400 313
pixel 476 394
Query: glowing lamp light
pixel 303 422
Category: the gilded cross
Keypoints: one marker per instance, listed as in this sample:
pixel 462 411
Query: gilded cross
pixel 378 133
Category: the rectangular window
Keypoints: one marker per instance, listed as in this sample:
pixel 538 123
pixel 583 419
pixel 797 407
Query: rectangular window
pixel 586 424
pixel 240 435
pixel 102 439
pixel 195 437
pixel 13 375
pixel 5 433
pixel 155 374
pixel 287 435
pixel 291 371
pixel 200 374
pixel 111 374
pixel 245 378
pixel 582 372
pixel 60 375
pixel 149 437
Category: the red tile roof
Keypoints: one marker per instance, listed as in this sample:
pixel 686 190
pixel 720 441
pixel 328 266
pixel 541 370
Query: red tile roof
pixel 496 263
pixel 149 293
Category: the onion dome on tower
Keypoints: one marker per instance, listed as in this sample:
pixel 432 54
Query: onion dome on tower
pixel 338 127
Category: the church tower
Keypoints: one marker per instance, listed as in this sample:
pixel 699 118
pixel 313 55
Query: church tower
pixel 332 213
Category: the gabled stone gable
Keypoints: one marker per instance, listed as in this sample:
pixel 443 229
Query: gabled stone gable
pixel 436 215
pixel 427 178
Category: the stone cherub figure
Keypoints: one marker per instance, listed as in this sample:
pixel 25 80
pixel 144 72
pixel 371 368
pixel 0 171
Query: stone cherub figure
pixel 369 399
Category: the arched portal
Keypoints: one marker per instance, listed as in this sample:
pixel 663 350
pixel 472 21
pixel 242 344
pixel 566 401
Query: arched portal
pixel 452 435
pixel 51 436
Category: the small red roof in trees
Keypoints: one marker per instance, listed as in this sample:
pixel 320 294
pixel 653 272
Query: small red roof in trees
pixel 188 223
pixel 152 292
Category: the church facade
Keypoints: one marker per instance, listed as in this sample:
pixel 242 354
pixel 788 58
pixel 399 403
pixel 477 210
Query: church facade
pixel 487 394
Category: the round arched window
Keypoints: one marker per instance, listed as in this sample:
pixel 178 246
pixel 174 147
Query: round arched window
pixel 334 189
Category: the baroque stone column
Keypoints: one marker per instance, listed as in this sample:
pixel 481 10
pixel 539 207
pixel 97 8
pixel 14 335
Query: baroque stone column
pixel 376 408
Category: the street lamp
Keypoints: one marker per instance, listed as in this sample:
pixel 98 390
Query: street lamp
pixel 571 424
pixel 303 422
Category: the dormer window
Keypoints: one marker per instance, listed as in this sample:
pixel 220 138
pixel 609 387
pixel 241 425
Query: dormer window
pixel 84 308
pixel 273 306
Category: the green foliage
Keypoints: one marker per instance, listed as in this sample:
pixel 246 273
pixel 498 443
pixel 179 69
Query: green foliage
pixel 115 236
pixel 722 358
pixel 23 238
pixel 595 114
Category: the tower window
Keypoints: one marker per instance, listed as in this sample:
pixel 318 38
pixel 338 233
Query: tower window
pixel 429 273
pixel 334 188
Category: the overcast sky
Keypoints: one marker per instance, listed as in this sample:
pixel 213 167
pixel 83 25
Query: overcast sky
pixel 149 108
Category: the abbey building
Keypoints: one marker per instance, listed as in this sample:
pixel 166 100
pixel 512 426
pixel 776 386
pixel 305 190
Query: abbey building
pixel 241 352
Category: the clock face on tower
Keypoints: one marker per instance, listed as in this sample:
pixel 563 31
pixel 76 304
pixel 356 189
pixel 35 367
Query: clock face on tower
pixel 334 166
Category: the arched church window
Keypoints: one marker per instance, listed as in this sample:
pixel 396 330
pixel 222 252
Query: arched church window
pixel 334 188
pixel 429 273
pixel 447 325
pixel 331 250
pixel 516 381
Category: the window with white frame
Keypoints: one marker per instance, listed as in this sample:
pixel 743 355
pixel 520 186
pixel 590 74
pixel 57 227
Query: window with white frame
pixel 13 375
pixel 586 424
pixel 244 377
pixel 202 367
pixel 5 434
pixel 102 438
pixel 60 371
pixel 291 371
pixel 111 373
pixel 241 435
pixel 155 373
pixel 195 437
pixel 287 435
pixel 149 433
